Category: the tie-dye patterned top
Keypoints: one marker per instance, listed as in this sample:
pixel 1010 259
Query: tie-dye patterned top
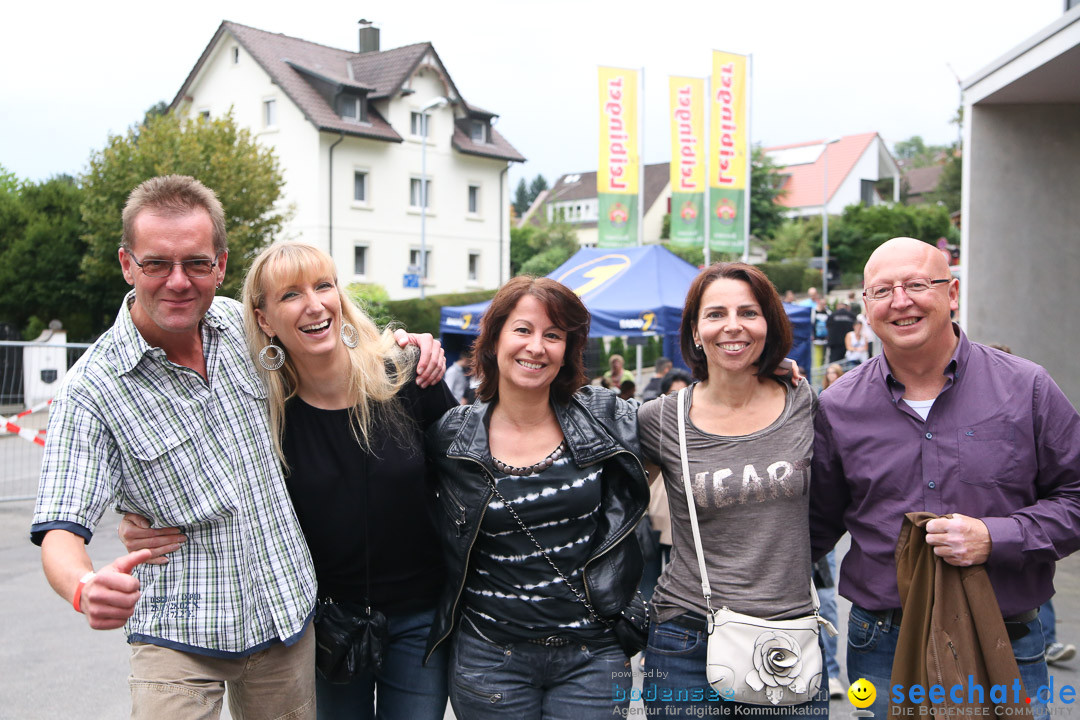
pixel 511 592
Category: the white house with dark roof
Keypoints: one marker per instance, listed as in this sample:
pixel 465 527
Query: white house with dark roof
pixel 851 166
pixel 347 129
pixel 573 197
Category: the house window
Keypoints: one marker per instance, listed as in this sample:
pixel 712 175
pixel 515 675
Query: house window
pixel 414 193
pixel 417 125
pixel 474 199
pixel 474 267
pixel 204 114
pixel 236 56
pixel 414 260
pixel 478 131
pixel 360 260
pixel 360 186
pixel 270 113
pixel 351 108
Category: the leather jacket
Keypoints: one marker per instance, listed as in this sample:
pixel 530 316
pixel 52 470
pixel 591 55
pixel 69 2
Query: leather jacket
pixel 598 428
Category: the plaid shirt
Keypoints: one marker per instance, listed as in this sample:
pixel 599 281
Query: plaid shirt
pixel 132 428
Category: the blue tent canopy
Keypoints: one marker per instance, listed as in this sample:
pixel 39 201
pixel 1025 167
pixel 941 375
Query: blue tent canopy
pixel 634 292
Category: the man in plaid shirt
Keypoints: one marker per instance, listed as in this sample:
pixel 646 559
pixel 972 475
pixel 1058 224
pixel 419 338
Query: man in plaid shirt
pixel 165 416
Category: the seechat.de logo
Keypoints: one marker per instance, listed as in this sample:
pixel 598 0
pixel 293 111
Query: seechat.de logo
pixel 591 276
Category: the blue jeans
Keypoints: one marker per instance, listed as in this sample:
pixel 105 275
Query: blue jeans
pixel 828 611
pixel 1049 622
pixel 675 684
pixel 405 687
pixel 533 682
pixel 872 645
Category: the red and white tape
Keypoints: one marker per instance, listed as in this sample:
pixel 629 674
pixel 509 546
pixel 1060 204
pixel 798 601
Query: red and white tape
pixel 34 436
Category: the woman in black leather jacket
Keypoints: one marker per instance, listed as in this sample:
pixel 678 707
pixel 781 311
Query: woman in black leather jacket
pixel 541 486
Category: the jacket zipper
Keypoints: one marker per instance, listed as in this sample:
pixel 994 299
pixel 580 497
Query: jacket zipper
pixel 472 542
pixel 621 536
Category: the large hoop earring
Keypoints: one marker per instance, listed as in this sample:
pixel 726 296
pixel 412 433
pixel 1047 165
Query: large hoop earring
pixel 272 357
pixel 349 335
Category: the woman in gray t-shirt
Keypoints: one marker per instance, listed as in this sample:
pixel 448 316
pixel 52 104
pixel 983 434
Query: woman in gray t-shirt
pixel 749 439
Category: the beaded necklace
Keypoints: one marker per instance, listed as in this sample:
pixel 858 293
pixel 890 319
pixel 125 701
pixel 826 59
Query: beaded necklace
pixel 531 469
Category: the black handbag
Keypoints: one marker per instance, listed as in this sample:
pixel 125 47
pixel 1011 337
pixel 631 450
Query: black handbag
pixel 350 637
pixel 349 640
pixel 631 626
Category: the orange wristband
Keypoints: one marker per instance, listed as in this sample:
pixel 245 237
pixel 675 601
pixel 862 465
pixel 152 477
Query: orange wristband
pixel 77 601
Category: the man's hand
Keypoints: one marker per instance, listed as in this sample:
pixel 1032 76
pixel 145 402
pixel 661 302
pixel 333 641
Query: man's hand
pixel 786 366
pixel 136 534
pixel 109 597
pixel 959 540
pixel 432 364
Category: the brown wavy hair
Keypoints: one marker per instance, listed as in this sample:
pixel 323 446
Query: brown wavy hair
pixel 777 337
pixel 566 311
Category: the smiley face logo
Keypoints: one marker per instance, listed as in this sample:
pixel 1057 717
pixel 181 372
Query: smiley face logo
pixel 862 693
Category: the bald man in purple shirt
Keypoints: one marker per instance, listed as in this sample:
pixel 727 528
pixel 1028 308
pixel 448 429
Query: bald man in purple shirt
pixel 942 424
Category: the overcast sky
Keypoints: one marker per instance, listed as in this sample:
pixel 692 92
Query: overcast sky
pixel 74 72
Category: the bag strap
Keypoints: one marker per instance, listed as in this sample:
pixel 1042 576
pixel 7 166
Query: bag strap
pixel 705 589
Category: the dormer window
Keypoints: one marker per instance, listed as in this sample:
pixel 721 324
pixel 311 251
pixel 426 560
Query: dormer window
pixel 478 131
pixel 351 108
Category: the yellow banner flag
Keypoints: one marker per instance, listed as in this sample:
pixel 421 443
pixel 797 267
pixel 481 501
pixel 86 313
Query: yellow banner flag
pixel 727 136
pixel 618 170
pixel 687 134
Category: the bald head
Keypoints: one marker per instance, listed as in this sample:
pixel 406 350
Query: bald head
pixel 905 251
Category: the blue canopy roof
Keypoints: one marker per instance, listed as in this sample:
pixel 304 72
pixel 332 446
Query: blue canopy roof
pixel 636 291
pixel 629 291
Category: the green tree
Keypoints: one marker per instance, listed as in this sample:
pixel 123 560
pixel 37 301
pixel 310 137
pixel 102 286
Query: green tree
pixel 915 153
pixel 766 215
pixel 798 238
pixel 861 229
pixel 41 246
pixel 539 249
pixel 224 157
pixel 521 198
pixel 537 186
pixel 947 191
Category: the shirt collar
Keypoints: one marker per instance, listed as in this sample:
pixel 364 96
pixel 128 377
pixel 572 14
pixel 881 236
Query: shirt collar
pixel 953 369
pixel 130 346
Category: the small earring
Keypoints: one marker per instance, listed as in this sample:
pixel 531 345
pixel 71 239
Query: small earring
pixel 698 346
pixel 272 360
pixel 349 336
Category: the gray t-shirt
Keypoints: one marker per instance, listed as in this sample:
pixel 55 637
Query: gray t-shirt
pixel 752 500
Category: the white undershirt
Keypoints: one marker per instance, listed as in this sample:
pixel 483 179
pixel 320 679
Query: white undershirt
pixel 920 406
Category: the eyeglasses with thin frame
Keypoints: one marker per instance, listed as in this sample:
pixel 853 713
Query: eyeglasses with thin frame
pixel 914 286
pixel 195 268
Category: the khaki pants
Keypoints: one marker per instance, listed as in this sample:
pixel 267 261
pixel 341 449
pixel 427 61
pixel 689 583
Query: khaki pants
pixel 273 684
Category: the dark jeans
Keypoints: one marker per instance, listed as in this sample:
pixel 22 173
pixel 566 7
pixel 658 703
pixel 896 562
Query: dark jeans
pixel 524 681
pixel 675 683
pixel 872 644
pixel 406 688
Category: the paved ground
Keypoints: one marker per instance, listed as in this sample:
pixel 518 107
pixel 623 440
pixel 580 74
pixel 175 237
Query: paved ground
pixel 53 666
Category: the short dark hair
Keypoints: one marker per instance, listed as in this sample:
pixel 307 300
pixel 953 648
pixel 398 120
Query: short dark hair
pixel 777 337
pixel 566 311
pixel 662 362
pixel 672 377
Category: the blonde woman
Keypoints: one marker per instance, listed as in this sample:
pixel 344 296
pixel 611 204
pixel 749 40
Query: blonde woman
pixel 348 426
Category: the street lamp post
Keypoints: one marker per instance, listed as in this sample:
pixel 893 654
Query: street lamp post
pixel 436 103
pixel 825 219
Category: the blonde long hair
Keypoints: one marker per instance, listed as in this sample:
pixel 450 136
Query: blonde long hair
pixel 379 368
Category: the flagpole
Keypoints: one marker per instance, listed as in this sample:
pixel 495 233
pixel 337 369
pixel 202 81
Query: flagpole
pixel 708 162
pixel 749 159
pixel 641 161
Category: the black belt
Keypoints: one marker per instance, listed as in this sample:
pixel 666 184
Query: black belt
pixel 691 621
pixel 1015 625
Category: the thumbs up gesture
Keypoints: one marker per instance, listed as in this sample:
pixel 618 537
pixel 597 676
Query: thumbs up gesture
pixel 109 597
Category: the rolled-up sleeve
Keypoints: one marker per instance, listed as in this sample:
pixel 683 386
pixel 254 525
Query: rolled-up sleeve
pixel 80 474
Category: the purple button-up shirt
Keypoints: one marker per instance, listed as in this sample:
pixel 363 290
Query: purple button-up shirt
pixel 1001 443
